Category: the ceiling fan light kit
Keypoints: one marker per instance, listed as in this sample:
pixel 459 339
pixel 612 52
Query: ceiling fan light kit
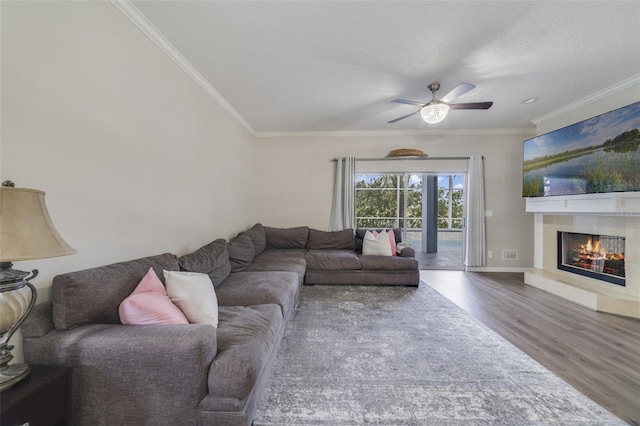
pixel 436 110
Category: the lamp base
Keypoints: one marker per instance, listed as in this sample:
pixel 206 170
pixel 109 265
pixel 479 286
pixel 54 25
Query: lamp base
pixel 12 374
pixel 17 297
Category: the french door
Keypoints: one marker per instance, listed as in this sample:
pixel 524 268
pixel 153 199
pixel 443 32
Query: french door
pixel 427 207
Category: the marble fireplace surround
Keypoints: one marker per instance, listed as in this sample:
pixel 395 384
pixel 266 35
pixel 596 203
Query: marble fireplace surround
pixel 615 214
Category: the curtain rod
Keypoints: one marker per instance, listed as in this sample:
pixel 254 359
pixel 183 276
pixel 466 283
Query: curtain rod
pixel 409 158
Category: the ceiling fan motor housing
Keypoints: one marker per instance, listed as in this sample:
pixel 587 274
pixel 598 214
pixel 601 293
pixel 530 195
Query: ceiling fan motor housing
pixel 433 88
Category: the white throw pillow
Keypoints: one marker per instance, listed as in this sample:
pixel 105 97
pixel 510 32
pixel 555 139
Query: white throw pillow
pixel 376 245
pixel 194 294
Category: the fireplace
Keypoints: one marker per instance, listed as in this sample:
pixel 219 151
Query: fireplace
pixel 604 215
pixel 596 256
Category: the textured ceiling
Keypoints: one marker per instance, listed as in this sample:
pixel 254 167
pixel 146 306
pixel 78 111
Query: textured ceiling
pixel 324 66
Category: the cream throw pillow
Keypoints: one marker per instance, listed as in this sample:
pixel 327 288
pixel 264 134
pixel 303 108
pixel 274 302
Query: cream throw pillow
pixel 194 294
pixel 376 245
pixel 392 240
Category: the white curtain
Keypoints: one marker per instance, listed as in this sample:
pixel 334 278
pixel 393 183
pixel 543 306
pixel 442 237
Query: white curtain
pixel 475 232
pixel 343 210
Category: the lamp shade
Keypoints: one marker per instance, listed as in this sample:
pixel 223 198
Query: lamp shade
pixel 434 112
pixel 26 230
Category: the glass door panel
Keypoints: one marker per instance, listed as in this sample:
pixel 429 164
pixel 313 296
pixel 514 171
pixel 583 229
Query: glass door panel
pixel 427 207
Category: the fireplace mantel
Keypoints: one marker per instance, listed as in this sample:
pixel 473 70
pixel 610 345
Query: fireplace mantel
pixel 607 204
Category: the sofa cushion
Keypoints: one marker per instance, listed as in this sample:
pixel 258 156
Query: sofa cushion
pixel 290 260
pixel 246 338
pixel 388 263
pixel 273 255
pixel 258 237
pixel 334 240
pixel 259 288
pixel 212 259
pixel 287 238
pixel 241 252
pixel 193 293
pixel 361 231
pixel 332 260
pixel 94 295
pixel 150 304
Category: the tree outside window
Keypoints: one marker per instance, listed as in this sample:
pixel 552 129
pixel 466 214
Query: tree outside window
pixel 380 201
pixel 450 202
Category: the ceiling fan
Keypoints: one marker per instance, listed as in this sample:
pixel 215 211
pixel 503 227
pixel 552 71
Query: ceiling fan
pixel 436 110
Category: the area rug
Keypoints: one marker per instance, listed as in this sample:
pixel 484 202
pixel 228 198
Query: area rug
pixel 408 356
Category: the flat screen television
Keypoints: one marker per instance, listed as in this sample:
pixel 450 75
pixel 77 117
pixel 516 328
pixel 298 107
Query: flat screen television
pixel 600 154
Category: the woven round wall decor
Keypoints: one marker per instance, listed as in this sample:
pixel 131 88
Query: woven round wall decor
pixel 405 152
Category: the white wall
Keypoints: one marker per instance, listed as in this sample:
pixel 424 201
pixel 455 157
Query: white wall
pixel 295 181
pixel 607 103
pixel 136 159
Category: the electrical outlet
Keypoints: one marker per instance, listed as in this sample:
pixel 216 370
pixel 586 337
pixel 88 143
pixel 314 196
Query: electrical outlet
pixel 490 254
pixel 509 254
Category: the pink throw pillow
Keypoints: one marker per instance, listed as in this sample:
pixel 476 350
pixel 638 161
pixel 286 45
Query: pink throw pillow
pixel 392 241
pixel 149 304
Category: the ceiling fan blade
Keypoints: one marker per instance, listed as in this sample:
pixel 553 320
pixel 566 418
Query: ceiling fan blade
pixel 472 105
pixel 403 117
pixel 459 90
pixel 408 102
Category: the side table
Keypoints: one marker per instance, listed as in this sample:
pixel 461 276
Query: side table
pixel 43 398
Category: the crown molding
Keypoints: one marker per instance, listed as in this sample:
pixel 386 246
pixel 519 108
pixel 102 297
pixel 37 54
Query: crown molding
pixel 618 87
pixel 139 20
pixel 148 29
pixel 373 133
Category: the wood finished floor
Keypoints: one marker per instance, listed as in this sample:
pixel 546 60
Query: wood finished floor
pixel 596 353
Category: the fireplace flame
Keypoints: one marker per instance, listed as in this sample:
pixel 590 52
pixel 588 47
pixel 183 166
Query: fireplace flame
pixel 593 251
pixel 591 254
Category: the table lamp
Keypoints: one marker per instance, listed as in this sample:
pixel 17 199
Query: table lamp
pixel 26 232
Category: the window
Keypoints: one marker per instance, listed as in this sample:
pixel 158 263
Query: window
pixel 380 201
pixel 450 201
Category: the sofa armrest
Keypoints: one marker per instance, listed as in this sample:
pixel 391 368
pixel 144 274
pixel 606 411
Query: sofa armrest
pixel 39 321
pixel 405 251
pixel 153 374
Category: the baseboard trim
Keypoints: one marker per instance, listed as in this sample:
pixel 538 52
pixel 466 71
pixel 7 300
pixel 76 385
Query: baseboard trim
pixel 495 269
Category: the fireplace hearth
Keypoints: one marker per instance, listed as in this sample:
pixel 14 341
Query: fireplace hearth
pixel 596 256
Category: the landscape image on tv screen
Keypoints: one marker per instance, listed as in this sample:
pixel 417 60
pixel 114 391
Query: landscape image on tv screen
pixel 600 154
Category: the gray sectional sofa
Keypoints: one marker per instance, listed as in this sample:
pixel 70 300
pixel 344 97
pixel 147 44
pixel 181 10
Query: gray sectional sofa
pixel 193 374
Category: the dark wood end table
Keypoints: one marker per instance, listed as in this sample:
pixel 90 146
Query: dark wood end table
pixel 43 398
